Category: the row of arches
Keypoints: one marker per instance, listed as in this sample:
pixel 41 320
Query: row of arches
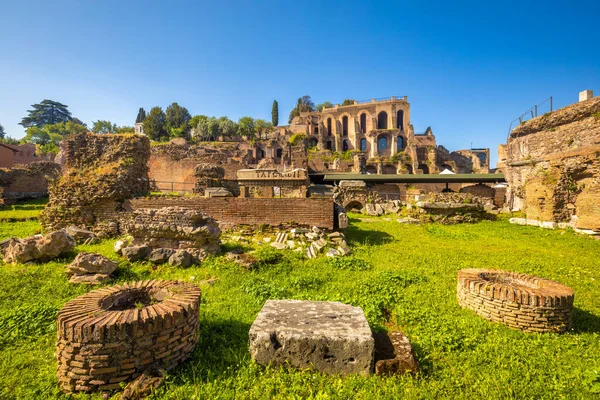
pixel 382 144
pixel 382 122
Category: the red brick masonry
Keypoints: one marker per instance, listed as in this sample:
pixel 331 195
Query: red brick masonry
pixel 112 335
pixel 517 300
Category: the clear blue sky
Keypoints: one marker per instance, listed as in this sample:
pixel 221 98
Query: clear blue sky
pixel 468 68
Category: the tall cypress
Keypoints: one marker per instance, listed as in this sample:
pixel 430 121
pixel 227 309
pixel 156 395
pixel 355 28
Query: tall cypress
pixel 275 113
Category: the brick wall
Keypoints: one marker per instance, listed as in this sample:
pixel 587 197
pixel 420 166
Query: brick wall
pixel 231 211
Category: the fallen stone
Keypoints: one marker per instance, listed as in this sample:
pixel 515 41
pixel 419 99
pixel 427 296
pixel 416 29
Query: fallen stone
pixel 119 245
pixel 329 337
pixel 278 246
pixel 290 244
pixel 311 252
pixel 160 256
pixel 409 221
pixel 198 255
pixel 246 260
pixel 81 236
pixel 518 221
pixel 267 240
pixel 316 230
pixel 319 244
pixel 533 222
pixel 332 253
pixel 38 247
pixel 394 354
pixel 136 253
pixel 181 258
pixel 281 237
pixel 548 224
pixel 298 231
pixel 93 279
pixel 143 385
pixel 333 235
pixel 344 250
pixel 342 220
pixel 91 264
pixel 565 225
pixel 217 192
pixel 311 235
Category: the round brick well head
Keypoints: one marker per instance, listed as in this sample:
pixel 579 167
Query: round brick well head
pixel 109 336
pixel 520 301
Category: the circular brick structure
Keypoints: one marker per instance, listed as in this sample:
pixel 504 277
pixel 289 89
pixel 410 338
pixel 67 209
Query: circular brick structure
pixel 112 335
pixel 517 300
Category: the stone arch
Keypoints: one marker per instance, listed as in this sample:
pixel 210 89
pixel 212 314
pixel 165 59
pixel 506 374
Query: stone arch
pixel 345 145
pixel 372 169
pixel 382 120
pixel 424 168
pixel 388 170
pixel 329 124
pixel 365 119
pixel 345 125
pixel 354 204
pixel 400 119
pixel 330 145
pixel 278 153
pixel 446 166
pixel 482 158
pixel 480 190
pixel 363 145
pixel 384 142
pixel 409 168
pixel 400 143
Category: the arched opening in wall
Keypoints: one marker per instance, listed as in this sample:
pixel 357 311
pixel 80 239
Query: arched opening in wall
pixel 363 123
pixel 421 153
pixel 328 145
pixel 400 143
pixel 382 145
pixel 371 169
pixel 312 142
pixel 382 120
pixel 409 168
pixel 400 120
pixel 354 205
pixel 260 154
pixel 363 144
pixel 316 130
pixel 448 167
pixel 424 168
pixel 328 126
pixel 345 146
pixel 388 170
pixel 345 125
pixel 279 153
pixel 482 158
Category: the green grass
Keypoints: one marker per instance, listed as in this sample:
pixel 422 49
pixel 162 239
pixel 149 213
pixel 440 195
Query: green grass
pixel 23 211
pixel 403 276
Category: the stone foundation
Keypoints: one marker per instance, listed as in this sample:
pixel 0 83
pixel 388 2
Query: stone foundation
pixel 519 301
pixel 112 335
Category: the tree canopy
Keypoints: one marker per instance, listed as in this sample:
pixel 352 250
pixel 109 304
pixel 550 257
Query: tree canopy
pixel 46 112
pixel 275 113
pixel 155 125
pixel 141 116
pixel 325 104
pixel 2 132
pixel 303 104
pixel 102 126
pixel 178 119
pixel 246 127
pixel 348 102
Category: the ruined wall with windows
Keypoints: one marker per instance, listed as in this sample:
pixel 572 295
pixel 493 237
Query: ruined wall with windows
pixel 553 166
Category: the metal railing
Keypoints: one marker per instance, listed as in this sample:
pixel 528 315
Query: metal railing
pixel 174 186
pixel 533 112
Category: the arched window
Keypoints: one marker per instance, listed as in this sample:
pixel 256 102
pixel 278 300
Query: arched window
pixel 382 144
pixel 363 144
pixel 424 168
pixel 400 120
pixel 328 126
pixel 382 120
pixel 328 145
pixel 345 145
pixel 482 158
pixel 363 123
pixel 345 125
pixel 400 144
pixel 279 153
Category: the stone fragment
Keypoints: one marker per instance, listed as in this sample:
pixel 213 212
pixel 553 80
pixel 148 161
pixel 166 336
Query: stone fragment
pixel 533 222
pixel 92 279
pixel 330 337
pixel 342 220
pixel 81 236
pixel 319 244
pixel 267 240
pixel 281 237
pixel 290 244
pixel 343 249
pixel 298 231
pixel 548 224
pixel 332 253
pixel 334 235
pixel 119 244
pixel 160 256
pixel 311 252
pixel 394 354
pixel 246 260
pixel 409 221
pixel 278 246
pixel 518 221
pixel 217 192
pixel 136 253
pixel 91 263
pixel 38 247
pixel 316 230
pixel 181 258
pixel 143 385
pixel 311 235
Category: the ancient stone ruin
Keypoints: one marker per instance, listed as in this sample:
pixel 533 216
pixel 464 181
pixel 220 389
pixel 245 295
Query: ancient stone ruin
pixel 329 337
pixel 37 247
pixel 112 335
pixel 27 181
pixel 519 301
pixel 90 268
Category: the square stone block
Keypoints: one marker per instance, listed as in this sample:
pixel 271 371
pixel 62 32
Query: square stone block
pixel 330 337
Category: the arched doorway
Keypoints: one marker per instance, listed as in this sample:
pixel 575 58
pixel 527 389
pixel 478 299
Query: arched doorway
pixel 354 205
pixel 345 145
pixel 424 168
pixel 448 167
pixel 400 120
pixel 382 120
pixel 363 144
pixel 345 125
pixel 279 153
pixel 363 123
pixel 328 126
pixel 382 145
pixel 329 145
pixel 260 154
pixel 409 168
pixel 400 145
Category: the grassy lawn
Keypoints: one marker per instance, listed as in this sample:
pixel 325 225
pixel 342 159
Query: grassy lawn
pixel 403 276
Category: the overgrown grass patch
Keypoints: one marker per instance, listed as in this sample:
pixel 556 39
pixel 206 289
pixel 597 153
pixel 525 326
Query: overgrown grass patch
pixel 403 276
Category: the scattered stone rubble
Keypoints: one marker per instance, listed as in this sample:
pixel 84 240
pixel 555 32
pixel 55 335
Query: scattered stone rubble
pixel 394 354
pixel 82 236
pixel 38 247
pixel 90 268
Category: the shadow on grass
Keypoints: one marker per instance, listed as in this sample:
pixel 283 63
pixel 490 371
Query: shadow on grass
pixel 585 322
pixel 355 235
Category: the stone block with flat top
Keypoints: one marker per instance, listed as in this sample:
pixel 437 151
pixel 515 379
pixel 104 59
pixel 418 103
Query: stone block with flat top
pixel 329 337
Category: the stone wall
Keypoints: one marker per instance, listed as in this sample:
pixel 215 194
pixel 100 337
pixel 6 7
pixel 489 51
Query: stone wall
pixel 553 166
pixel 27 181
pixel 231 211
pixel 98 171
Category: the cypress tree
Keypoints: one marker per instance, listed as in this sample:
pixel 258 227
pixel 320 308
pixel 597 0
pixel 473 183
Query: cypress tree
pixel 275 113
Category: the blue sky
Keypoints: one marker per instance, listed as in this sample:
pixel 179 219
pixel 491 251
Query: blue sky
pixel 467 68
